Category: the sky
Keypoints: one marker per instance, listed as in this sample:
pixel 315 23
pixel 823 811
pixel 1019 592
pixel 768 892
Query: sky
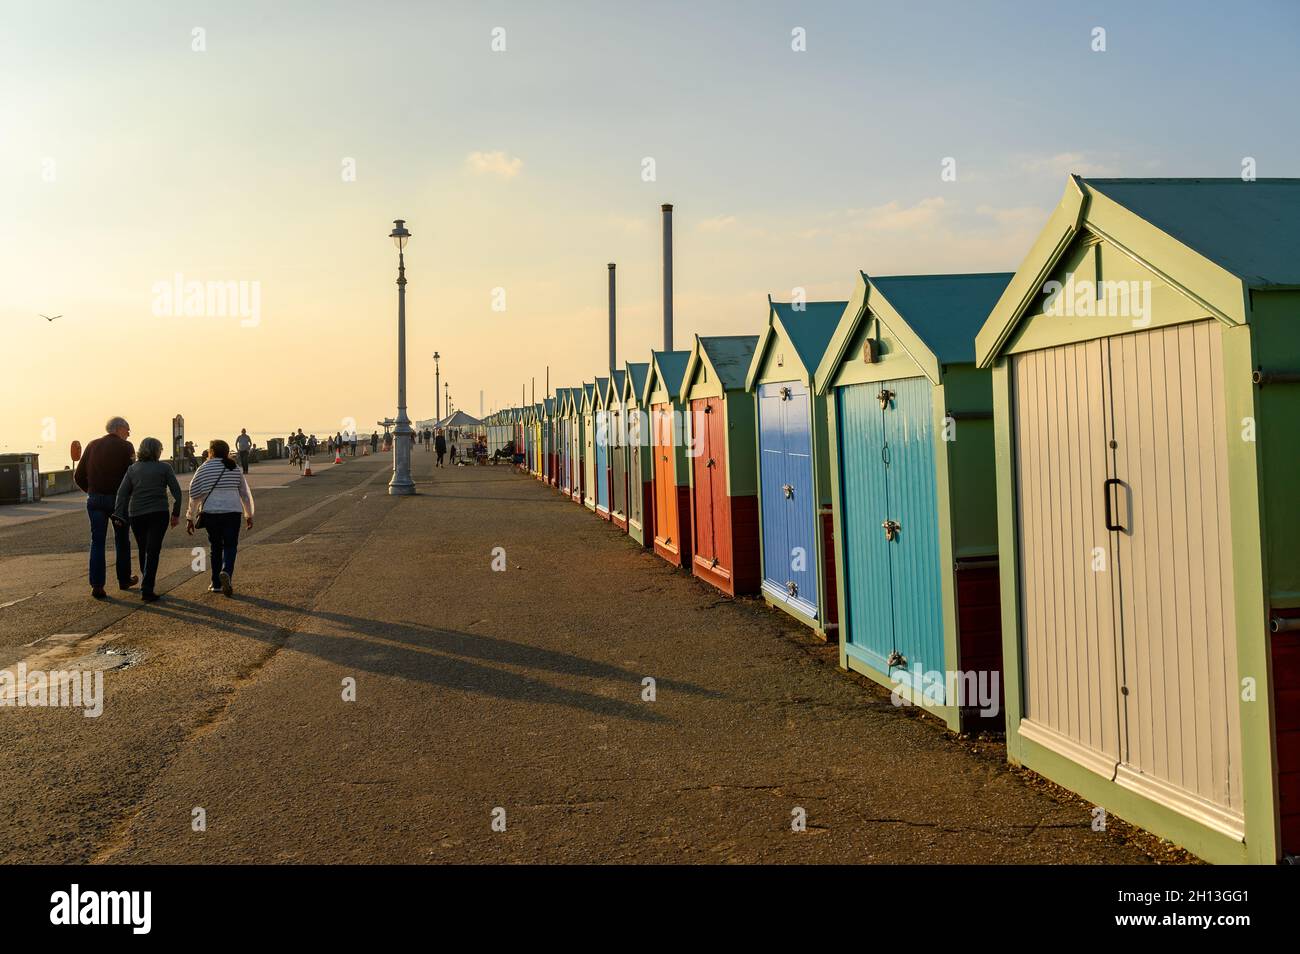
pixel 270 145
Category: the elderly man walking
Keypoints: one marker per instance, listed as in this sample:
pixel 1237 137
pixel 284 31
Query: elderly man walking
pixel 99 473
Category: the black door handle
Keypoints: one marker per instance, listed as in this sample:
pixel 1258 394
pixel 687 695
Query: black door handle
pixel 1105 490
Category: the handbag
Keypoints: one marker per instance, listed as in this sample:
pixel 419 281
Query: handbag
pixel 201 523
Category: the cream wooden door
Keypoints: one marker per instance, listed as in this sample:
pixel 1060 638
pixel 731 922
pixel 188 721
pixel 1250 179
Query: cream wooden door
pixel 1180 737
pixel 1067 605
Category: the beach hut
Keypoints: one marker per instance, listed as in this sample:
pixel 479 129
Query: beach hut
pixel 617 425
pixel 562 398
pixel 723 465
pixel 1146 363
pixel 910 422
pixel 539 440
pixel 671 513
pixel 600 447
pixel 576 449
pixel 640 461
pixel 589 446
pixel 796 521
pixel 549 465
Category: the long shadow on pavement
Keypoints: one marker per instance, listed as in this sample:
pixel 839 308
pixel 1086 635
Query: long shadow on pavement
pixel 423 655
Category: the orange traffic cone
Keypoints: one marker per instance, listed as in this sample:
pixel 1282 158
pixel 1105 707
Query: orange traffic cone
pixel 306 468
pixel 338 457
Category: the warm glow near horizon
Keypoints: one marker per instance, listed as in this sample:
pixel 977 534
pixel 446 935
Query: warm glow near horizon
pixel 132 161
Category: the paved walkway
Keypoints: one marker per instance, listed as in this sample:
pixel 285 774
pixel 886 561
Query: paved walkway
pixel 477 692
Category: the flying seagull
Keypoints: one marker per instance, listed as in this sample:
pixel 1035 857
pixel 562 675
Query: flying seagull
pixel 48 318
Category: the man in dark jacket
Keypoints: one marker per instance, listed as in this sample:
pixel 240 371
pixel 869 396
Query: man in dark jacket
pixel 440 446
pixel 99 473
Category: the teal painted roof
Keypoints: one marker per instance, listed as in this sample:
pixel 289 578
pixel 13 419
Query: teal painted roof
pixel 618 378
pixel 587 391
pixel 1252 229
pixel 730 356
pixel 945 311
pixel 811 328
pixel 638 370
pixel 672 366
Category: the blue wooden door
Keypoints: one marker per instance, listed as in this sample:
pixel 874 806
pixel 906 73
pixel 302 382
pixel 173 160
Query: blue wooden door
pixel 788 497
pixel 864 504
pixel 915 573
pixel 602 460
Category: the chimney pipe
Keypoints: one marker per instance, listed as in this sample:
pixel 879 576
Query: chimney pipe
pixel 668 276
pixel 612 349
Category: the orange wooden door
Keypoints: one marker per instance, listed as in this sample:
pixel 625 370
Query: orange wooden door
pixel 665 477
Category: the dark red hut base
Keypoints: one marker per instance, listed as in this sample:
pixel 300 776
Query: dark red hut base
pixel 979 636
pixel 1286 707
pixel 831 614
pixel 738 569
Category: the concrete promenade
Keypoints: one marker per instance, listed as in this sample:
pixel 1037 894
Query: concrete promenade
pixel 479 695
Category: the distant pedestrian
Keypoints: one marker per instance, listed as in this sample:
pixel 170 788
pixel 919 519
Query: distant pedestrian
pixel 374 442
pixel 99 473
pixel 218 498
pixel 312 444
pixel 354 443
pixel 440 447
pixel 244 444
pixel 142 500
pixel 453 455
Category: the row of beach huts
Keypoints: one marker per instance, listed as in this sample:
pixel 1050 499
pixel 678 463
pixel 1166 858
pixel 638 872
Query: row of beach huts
pixel 1061 503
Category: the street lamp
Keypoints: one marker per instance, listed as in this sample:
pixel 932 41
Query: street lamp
pixel 401 485
pixel 437 389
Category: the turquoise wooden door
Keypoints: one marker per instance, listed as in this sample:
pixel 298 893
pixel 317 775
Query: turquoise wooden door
pixel 863 505
pixel 892 573
pixel 915 573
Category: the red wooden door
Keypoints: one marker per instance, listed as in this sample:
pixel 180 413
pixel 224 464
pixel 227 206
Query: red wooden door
pixel 702 466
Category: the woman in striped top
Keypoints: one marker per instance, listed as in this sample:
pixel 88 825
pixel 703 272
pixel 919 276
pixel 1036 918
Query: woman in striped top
pixel 220 491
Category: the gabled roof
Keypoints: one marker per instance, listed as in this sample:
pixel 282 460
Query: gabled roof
pixel 1252 229
pixel 668 366
pixel 935 317
pixel 615 390
pixel 598 392
pixel 1212 240
pixel 637 372
pixel 588 390
pixel 729 357
pixel 459 419
pixel 810 329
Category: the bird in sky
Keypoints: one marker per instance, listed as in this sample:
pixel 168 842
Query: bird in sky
pixel 48 318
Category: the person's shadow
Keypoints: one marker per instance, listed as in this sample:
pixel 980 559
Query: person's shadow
pixel 446 658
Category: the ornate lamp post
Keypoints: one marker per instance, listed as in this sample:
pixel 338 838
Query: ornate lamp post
pixel 437 388
pixel 403 436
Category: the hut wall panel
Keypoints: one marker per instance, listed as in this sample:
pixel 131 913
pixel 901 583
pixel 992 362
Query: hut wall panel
pixel 1173 562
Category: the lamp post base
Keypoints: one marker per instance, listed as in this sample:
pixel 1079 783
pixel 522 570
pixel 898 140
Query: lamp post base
pixel 401 488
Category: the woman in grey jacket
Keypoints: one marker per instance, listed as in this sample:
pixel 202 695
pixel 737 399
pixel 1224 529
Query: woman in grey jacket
pixel 142 500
